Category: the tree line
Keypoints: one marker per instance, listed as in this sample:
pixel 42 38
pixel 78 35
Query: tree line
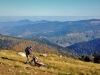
pixel 94 58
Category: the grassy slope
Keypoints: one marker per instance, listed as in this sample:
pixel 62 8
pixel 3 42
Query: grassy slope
pixel 13 64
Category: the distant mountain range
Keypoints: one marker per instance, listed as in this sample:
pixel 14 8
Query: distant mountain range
pixel 62 33
pixel 86 48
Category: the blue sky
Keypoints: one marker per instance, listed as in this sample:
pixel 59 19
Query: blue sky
pixel 82 8
pixel 49 7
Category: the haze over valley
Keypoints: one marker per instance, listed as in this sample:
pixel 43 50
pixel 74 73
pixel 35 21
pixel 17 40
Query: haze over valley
pixel 62 33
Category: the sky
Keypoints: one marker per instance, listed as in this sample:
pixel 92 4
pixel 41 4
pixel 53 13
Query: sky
pixel 49 8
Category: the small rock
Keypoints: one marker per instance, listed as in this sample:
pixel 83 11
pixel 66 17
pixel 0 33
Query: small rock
pixel 45 55
pixel 60 56
pixel 9 70
pixel 22 54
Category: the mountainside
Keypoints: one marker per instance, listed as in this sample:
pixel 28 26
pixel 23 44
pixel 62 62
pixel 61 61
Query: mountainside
pixel 62 33
pixel 39 45
pixel 13 64
pixel 86 47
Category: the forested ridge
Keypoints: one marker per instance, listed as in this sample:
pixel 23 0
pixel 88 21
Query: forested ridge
pixel 62 33
pixel 87 48
pixel 39 45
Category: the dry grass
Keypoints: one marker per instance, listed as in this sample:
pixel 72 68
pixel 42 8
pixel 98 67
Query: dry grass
pixel 56 65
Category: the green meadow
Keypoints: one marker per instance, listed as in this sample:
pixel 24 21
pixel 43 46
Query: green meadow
pixel 13 64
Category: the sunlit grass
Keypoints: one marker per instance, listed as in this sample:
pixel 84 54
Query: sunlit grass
pixel 56 65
